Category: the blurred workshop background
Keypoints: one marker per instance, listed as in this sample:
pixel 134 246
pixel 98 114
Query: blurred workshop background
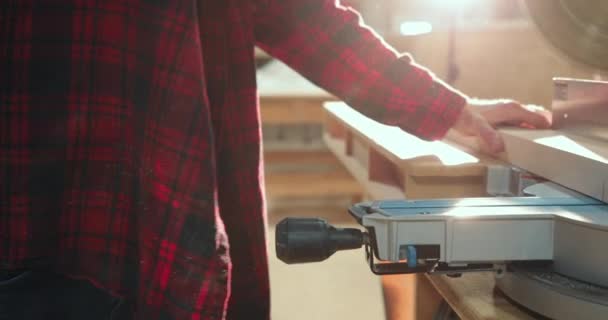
pixel 487 48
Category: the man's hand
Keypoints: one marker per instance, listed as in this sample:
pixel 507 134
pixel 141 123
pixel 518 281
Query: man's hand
pixel 480 118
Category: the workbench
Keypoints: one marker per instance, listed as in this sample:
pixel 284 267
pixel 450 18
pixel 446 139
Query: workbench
pixel 392 164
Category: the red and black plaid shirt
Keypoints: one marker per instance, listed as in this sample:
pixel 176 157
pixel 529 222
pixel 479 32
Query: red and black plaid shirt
pixel 130 136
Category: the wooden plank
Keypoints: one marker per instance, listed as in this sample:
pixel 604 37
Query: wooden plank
pixel 571 160
pixel 406 150
pixel 421 169
pixel 576 160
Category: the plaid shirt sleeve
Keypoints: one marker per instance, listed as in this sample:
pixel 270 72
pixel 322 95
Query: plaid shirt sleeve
pixel 330 45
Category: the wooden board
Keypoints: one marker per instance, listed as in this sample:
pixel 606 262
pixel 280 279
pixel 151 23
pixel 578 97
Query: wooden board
pixel 421 169
pixel 575 158
pixel 428 158
pixel 574 161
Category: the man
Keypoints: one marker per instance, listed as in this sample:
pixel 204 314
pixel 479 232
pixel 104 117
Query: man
pixel 130 164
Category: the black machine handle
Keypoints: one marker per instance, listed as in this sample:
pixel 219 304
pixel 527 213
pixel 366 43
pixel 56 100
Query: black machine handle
pixel 301 240
pixel 304 240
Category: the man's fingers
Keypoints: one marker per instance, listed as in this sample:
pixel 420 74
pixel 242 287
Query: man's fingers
pixel 536 116
pixel 480 118
pixel 489 136
pixel 513 113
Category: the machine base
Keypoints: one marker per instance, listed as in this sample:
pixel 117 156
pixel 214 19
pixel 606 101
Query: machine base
pixel 553 295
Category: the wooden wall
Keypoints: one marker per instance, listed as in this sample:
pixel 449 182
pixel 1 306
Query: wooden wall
pixel 507 57
pixel 502 61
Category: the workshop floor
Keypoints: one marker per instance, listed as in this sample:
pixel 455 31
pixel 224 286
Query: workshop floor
pixel 341 287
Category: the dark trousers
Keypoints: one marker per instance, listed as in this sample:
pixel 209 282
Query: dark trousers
pixel 41 295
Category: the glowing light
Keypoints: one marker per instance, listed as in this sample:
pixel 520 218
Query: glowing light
pixel 414 28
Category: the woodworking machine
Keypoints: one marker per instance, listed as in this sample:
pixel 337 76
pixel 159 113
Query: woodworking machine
pixel 543 231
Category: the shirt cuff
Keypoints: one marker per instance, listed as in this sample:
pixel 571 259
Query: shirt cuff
pixel 444 108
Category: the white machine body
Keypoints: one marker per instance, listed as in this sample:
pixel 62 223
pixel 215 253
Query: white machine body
pixel 549 204
pixel 497 230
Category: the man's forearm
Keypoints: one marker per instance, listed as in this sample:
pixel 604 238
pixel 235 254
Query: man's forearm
pixel 331 46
